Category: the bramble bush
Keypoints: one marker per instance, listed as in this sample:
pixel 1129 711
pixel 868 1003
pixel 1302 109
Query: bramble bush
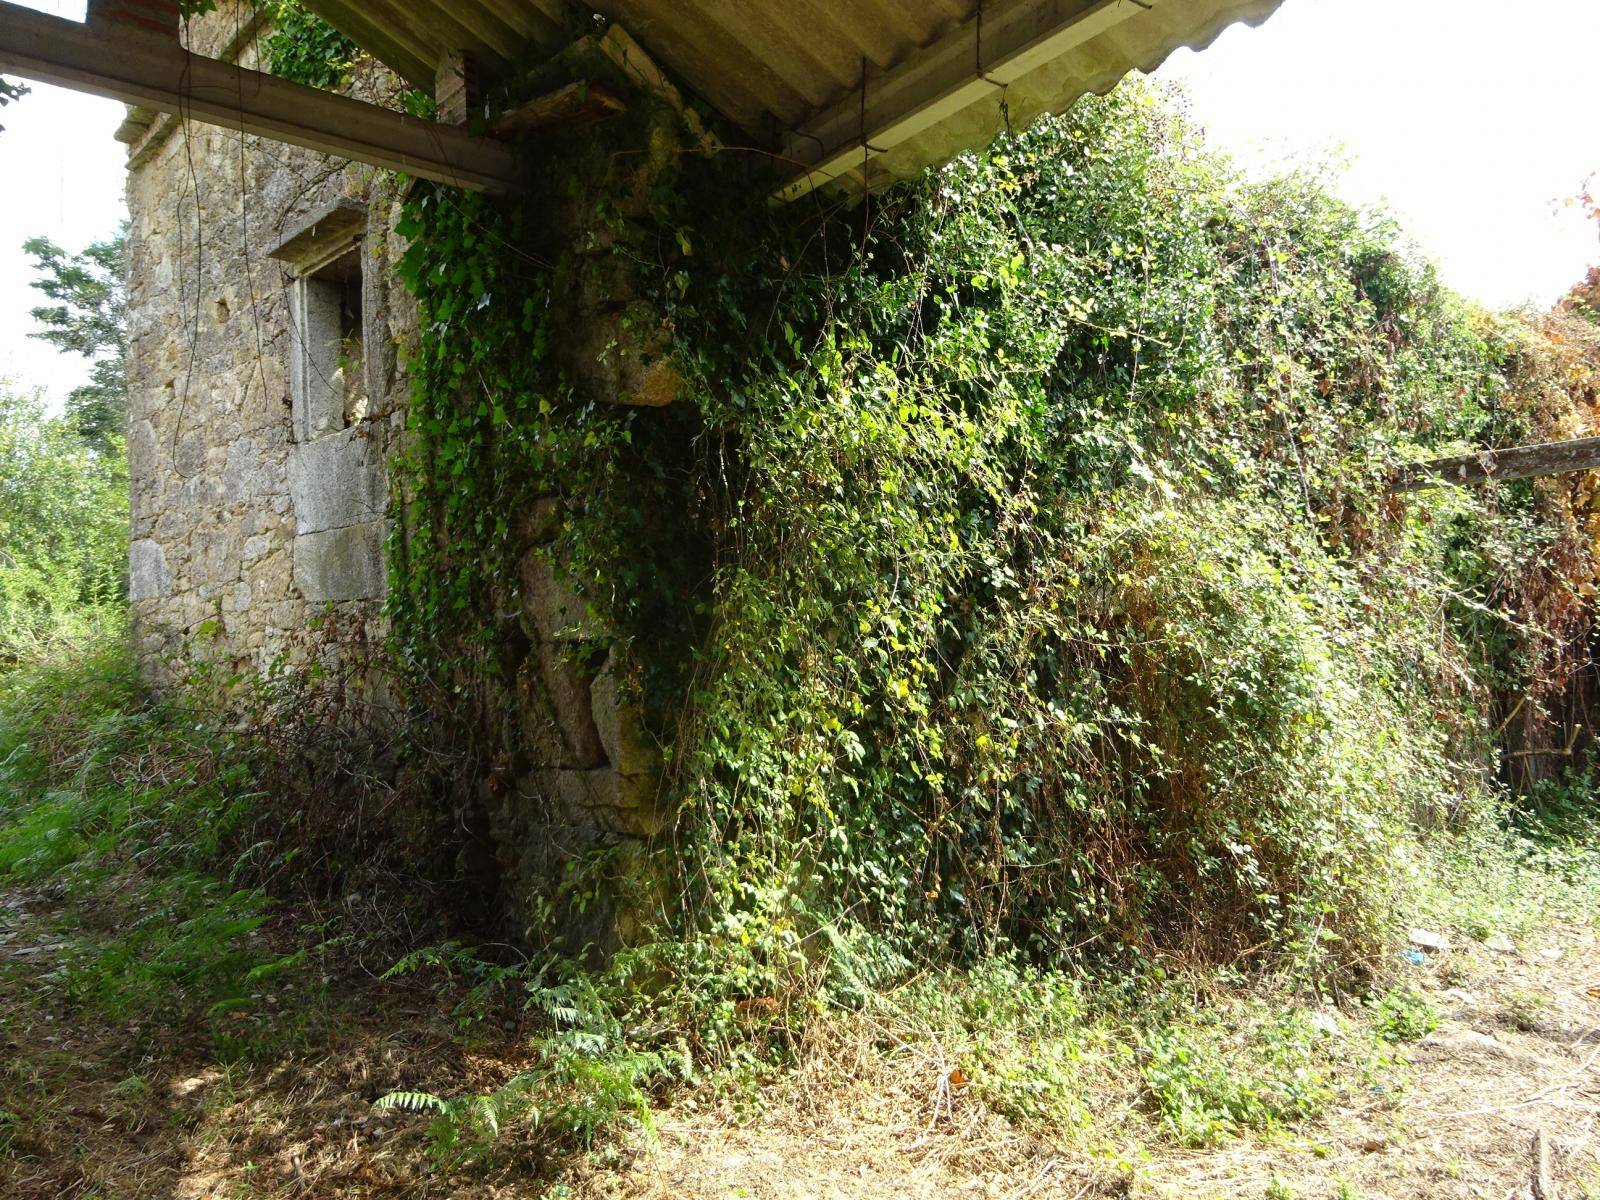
pixel 1059 598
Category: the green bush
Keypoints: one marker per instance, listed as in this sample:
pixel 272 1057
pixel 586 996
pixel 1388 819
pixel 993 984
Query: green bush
pixel 1018 592
pixel 1031 529
pixel 63 527
pixel 1058 598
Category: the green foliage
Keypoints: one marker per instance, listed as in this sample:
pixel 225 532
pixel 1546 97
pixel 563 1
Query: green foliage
pixel 1025 1041
pixel 122 805
pixel 1019 576
pixel 304 48
pixel 1059 507
pixel 463 1128
pixel 590 1078
pixel 1510 873
pixel 1207 1085
pixel 10 91
pixel 63 524
pixel 1032 530
pixel 1403 1014
pixel 481 420
pixel 89 318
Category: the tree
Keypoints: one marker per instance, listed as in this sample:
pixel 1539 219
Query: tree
pixel 10 91
pixel 63 523
pixel 88 318
pixel 1583 298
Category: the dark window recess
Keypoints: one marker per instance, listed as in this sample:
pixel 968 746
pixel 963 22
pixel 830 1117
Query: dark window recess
pixel 328 380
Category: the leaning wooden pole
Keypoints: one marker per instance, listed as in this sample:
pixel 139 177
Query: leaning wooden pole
pixel 1514 462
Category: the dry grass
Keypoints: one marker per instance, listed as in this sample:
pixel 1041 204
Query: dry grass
pixel 1460 1120
pixel 881 1106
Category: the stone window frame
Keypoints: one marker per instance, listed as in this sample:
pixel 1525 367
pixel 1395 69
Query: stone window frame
pixel 321 256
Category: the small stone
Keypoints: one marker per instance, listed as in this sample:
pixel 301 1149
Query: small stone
pixel 1500 944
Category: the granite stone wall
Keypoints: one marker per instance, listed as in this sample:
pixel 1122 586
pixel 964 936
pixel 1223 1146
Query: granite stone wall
pixel 267 336
pixel 248 528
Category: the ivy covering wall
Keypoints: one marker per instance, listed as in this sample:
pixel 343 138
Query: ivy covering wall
pixel 1018 566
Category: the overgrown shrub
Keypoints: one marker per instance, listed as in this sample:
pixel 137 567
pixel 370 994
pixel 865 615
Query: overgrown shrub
pixel 1020 574
pixel 1059 595
pixel 1031 528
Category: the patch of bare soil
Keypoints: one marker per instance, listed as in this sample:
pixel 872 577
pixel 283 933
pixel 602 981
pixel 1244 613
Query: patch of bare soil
pixel 99 1110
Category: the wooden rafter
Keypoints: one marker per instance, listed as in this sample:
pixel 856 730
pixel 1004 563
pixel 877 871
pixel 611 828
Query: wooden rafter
pixel 966 65
pixel 1514 462
pixel 137 65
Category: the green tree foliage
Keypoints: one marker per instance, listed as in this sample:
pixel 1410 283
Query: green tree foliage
pixel 89 317
pixel 10 91
pixel 63 524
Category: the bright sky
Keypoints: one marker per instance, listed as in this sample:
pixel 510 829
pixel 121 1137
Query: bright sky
pixel 1471 117
pixel 63 178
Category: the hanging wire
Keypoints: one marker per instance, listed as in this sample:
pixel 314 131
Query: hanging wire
pixel 977 68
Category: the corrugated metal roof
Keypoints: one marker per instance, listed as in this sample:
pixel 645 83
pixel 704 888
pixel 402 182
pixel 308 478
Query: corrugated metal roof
pixel 850 90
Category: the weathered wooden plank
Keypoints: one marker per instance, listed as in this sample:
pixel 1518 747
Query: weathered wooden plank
pixel 153 72
pixel 391 42
pixel 575 106
pixel 1513 462
pixel 153 16
pixel 953 73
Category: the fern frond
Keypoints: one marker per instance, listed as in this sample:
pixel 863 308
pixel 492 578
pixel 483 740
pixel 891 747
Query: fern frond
pixel 411 1102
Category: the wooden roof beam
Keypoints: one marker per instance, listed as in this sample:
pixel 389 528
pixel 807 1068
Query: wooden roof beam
pixel 951 74
pixel 139 66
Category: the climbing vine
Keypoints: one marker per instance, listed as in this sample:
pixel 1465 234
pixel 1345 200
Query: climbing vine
pixel 303 47
pixel 299 46
pixel 1018 565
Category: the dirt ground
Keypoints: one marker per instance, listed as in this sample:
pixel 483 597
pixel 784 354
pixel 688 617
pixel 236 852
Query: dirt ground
pixel 1499 1102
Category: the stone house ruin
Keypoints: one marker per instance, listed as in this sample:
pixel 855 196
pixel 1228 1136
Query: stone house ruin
pixel 264 390
pixel 269 332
